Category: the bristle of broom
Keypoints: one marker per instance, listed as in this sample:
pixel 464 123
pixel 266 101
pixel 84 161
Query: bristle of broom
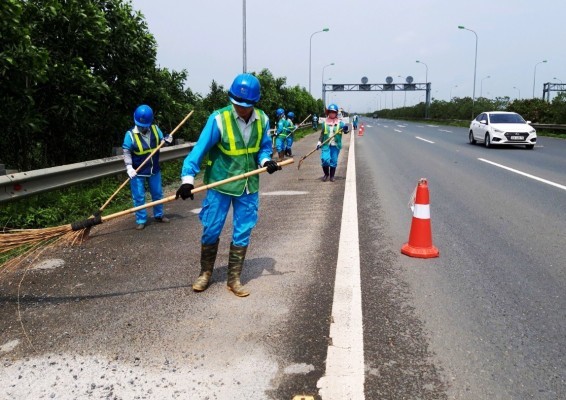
pixel 28 244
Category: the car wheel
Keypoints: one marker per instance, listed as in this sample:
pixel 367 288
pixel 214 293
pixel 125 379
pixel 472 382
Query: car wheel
pixel 472 138
pixel 487 140
pixel 530 146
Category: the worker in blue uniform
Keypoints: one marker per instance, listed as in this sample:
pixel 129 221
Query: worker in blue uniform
pixel 236 140
pixel 139 143
pixel 281 133
pixel 290 130
pixel 330 150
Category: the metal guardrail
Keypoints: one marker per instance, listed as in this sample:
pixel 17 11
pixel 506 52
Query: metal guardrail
pixel 549 126
pixel 22 184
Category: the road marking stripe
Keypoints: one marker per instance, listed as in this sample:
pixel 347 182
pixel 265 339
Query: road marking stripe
pixel 397 130
pixel 536 178
pixel 344 376
pixel 424 140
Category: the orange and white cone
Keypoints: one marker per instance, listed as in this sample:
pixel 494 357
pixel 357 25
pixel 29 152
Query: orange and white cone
pixel 361 130
pixel 420 238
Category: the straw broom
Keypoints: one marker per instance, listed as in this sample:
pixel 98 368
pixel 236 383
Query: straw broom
pixel 32 242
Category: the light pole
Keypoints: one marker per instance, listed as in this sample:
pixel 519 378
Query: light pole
pixel 426 88
pixel 475 66
pixel 556 79
pixel 519 90
pixel 426 77
pixel 451 92
pixel 244 34
pixel 324 91
pixel 535 76
pixel 310 55
pixel 405 98
pixel 481 85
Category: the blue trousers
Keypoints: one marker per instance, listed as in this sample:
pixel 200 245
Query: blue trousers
pixel 280 142
pixel 137 186
pixel 329 156
pixel 215 207
pixel 289 142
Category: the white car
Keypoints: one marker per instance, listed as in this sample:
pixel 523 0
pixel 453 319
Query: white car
pixel 502 127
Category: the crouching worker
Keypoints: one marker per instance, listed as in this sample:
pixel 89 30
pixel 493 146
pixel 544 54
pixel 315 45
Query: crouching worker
pixel 236 140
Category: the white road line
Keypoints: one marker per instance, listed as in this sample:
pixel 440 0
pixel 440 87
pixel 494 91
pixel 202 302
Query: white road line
pixel 344 376
pixel 397 130
pixel 424 140
pixel 433 126
pixel 536 178
pixel 444 130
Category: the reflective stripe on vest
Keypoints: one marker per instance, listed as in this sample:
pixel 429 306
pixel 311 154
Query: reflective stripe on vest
pixel 140 150
pixel 228 122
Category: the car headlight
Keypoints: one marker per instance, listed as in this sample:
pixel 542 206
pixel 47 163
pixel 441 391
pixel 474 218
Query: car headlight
pixel 498 130
pixel 533 131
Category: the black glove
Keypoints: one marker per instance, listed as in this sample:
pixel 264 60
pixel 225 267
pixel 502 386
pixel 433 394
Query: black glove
pixel 184 192
pixel 346 129
pixel 271 166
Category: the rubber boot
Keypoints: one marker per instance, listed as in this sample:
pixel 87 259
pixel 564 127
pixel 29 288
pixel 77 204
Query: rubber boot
pixel 207 259
pixel 281 155
pixel 332 172
pixel 235 265
pixel 326 172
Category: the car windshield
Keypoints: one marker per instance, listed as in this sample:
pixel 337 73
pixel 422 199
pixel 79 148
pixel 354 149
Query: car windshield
pixel 506 119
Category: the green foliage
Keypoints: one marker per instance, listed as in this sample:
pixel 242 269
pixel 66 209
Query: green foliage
pixel 77 202
pixel 72 72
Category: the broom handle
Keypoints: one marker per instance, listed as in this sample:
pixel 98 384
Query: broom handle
pixel 305 120
pixel 195 190
pixel 144 161
pixel 298 126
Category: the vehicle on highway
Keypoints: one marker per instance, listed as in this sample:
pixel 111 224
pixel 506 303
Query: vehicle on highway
pixel 502 127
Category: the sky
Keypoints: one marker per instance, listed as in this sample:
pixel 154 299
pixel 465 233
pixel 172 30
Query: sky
pixel 366 38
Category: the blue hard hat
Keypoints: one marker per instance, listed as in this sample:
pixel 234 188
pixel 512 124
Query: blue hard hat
pixel 279 112
pixel 245 90
pixel 290 114
pixel 332 107
pixel 143 116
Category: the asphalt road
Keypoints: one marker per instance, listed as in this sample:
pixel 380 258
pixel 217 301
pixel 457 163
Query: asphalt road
pixel 493 305
pixel 116 316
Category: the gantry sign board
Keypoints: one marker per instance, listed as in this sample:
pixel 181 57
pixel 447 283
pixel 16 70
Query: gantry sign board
pixel 372 87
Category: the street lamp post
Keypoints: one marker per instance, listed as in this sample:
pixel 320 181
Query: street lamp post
pixel 556 79
pixel 481 85
pixel 310 55
pixel 324 91
pixel 519 90
pixel 244 35
pixel 475 66
pixel 535 76
pixel 426 76
pixel 405 98
pixel 426 87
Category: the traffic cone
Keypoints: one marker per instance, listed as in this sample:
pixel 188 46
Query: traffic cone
pixel 361 130
pixel 420 238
